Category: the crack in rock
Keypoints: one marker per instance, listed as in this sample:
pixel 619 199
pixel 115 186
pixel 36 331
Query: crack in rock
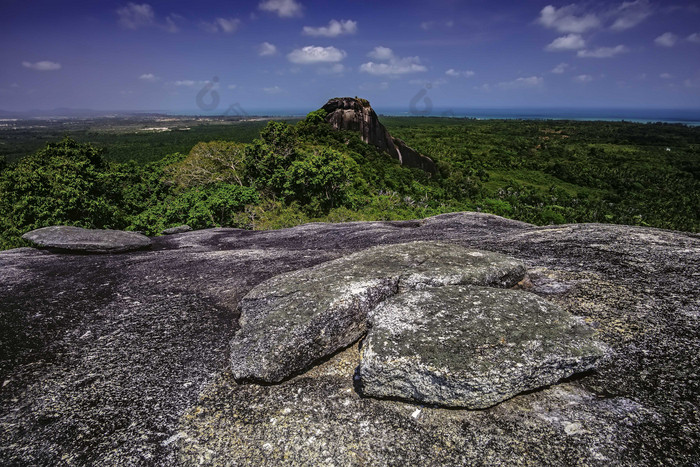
pixel 293 320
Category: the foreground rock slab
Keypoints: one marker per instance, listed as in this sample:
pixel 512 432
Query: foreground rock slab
pixel 124 359
pixel 76 239
pixel 295 319
pixel 471 347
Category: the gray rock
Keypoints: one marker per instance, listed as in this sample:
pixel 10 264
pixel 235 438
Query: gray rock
pixel 472 347
pixel 176 230
pixel 104 359
pixel 293 320
pixel 352 114
pixel 76 239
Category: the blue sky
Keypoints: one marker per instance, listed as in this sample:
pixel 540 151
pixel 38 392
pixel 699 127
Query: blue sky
pixel 295 54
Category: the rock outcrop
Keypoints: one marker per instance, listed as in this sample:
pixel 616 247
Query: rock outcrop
pixel 80 240
pixel 353 114
pixel 126 359
pixel 295 319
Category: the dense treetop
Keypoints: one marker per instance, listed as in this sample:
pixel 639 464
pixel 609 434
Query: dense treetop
pixel 544 172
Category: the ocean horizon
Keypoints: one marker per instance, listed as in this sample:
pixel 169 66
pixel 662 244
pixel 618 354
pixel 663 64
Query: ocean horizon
pixel 689 117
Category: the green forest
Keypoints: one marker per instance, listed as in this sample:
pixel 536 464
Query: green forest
pixel 268 175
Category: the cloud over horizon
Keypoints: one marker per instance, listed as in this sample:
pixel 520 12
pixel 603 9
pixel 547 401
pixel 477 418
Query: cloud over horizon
pixel 43 65
pixel 334 29
pixel 391 64
pixel 283 8
pixel 603 52
pixel 568 42
pixel 314 54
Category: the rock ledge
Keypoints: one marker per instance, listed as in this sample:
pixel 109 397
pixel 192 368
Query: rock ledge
pixel 76 239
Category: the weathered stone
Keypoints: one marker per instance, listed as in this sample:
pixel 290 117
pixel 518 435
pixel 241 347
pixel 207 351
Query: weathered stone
pixel 123 359
pixel 352 114
pixel 293 320
pixel 176 230
pixel 467 346
pixel 76 239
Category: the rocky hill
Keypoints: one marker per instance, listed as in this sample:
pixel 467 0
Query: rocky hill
pixel 461 339
pixel 354 114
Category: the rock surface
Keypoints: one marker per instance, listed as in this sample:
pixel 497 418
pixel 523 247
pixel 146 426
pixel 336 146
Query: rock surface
pixel 353 114
pixel 176 230
pixel 472 347
pixel 295 319
pixel 76 239
pixel 124 359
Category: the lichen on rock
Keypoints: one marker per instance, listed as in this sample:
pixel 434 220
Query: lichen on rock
pixel 472 347
pixel 79 240
pixel 295 319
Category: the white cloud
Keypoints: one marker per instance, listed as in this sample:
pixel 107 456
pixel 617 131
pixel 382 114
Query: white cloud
pixel 630 14
pixel 564 19
pixel 334 29
pixel 456 73
pixel 603 52
pixel 150 77
pixel 266 49
pixel 381 53
pixel 667 39
pixel 133 16
pixel 561 68
pixel 43 65
pixel 695 37
pixel 568 42
pixel 313 54
pixel 393 65
pixel 225 25
pixel 283 8
pixel 185 82
pixel 273 90
pixel 519 83
pixel 583 78
pixel 665 76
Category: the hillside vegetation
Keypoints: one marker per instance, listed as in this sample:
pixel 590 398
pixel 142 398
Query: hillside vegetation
pixel 543 172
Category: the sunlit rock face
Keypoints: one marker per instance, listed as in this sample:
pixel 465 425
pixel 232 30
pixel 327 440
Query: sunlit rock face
pixel 125 359
pixel 353 114
pixel 293 320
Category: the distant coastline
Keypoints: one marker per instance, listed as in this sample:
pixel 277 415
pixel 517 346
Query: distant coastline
pixel 690 117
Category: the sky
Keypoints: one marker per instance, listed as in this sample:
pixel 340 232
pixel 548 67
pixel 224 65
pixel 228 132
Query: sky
pixel 233 57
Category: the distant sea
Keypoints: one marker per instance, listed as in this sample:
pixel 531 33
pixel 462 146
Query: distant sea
pixel 689 117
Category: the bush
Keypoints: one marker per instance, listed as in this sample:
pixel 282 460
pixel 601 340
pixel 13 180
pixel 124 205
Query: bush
pixel 66 183
pixel 199 207
pixel 321 179
pixel 207 163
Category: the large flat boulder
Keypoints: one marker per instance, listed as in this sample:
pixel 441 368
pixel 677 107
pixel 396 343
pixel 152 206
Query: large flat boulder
pixel 472 347
pixel 295 319
pixel 76 239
